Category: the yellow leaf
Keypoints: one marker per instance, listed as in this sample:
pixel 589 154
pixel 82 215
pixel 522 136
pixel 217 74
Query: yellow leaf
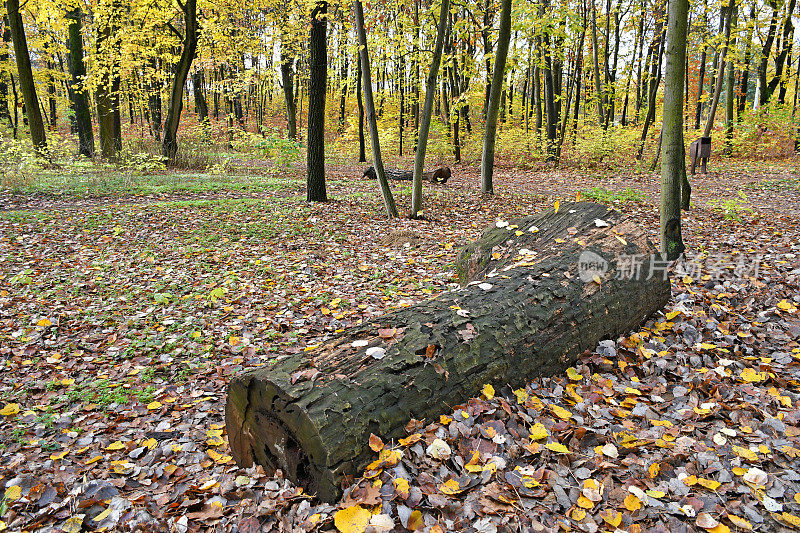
pixel 149 443
pixel 522 396
pixel 59 455
pixel 401 485
pixel 632 503
pixel 43 323
pixel 411 439
pixel 745 453
pixel 719 528
pixel 585 502
pixel 560 412
pixel 751 376
pixel 218 457
pixel 791 519
pixel 557 447
pixel 611 517
pixel 354 519
pixel 653 470
pixel 672 314
pixel 631 390
pixel 739 522
pixel 10 409
pixel 117 445
pixel 655 493
pixel 102 516
pixel 93 459
pixel 573 374
pixel 538 431
pixel 690 481
pixel 13 493
pixel 709 483
pixel 785 305
pixel 450 487
pixel 578 514
pixel 154 405
pixel 74 524
pixel 597 279
pixel 488 392
pixel 556 205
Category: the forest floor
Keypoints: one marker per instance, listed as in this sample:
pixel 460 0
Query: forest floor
pixel 123 317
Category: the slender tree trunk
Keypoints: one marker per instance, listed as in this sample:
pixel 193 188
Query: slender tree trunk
pixel 549 92
pixel 362 156
pixel 783 58
pixel 598 84
pixel 107 91
pixel 487 52
pixel 487 159
pixel 200 104
pixel 673 167
pixel 427 110
pixel 287 78
pixel 318 70
pixel 745 78
pixel 169 147
pixel 702 73
pixel 654 78
pixel 369 103
pixel 5 41
pixel 731 94
pixel 720 69
pixel 766 50
pixel 26 82
pixel 79 93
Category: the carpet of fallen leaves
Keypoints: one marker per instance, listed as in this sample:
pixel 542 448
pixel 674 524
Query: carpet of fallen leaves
pixel 122 320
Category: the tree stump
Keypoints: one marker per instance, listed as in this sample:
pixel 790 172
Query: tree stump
pixel 440 175
pixel 554 285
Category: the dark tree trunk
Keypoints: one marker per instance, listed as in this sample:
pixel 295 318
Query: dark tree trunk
pixel 654 78
pixel 169 148
pixel 26 82
pixel 200 104
pixel 287 78
pixel 317 87
pixel 487 158
pixel 79 93
pixel 362 154
pixel 107 92
pixel 702 74
pixel 310 414
pixel 766 50
pixel 745 78
pixel 778 81
pixel 5 114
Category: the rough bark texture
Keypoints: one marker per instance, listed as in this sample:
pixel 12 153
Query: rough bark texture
pixel 318 79
pixel 310 414
pixel 440 175
pixel 26 81
pixel 169 146
pixel 79 93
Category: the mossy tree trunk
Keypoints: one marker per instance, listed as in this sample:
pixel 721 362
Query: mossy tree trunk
pixel 310 414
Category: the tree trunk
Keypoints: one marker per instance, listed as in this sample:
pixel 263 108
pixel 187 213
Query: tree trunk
pixel 79 92
pixel 487 159
pixel 5 40
pixel 200 104
pixel 720 69
pixel 26 82
pixel 310 414
pixel 731 94
pixel 745 78
pixel 369 103
pixel 654 78
pixel 362 155
pixel 107 91
pixel 598 84
pixel 318 67
pixel 673 167
pixel 778 81
pixel 702 73
pixel 427 110
pixel 287 78
pixel 766 50
pixel 169 147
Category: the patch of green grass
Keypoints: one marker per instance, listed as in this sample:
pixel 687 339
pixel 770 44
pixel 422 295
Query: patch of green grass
pixel 99 184
pixel 784 184
pixel 101 392
pixel 601 194
pixel 731 208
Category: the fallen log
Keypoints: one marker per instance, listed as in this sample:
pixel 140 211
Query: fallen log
pixel 440 175
pixel 552 289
